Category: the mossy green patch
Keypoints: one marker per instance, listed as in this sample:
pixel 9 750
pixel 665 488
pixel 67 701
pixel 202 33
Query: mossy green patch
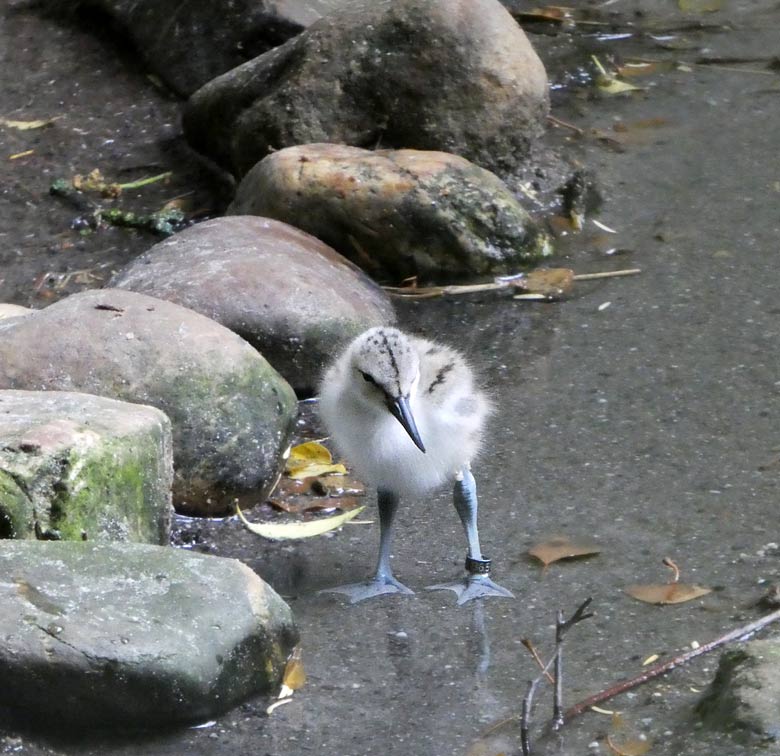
pixel 15 507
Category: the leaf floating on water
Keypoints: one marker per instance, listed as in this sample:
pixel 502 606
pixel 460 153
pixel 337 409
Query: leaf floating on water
pixel 670 593
pixel 609 84
pixel 283 531
pixel 562 548
pixel 613 86
pixel 700 6
pixel 633 747
pixel 28 125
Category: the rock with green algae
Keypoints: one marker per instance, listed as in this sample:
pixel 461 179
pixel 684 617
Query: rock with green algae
pixel 81 467
pixel 744 697
pixel 133 635
pixel 396 213
pixel 231 413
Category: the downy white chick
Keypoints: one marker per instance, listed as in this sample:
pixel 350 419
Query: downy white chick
pixel 406 413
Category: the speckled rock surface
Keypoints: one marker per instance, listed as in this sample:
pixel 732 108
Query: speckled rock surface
pixel 133 634
pixel 452 75
pixel 397 213
pixel 76 466
pixel 231 412
pixel 289 295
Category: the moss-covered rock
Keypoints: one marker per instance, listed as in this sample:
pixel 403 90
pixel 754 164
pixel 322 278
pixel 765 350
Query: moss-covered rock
pixel 81 467
pixel 744 697
pixel 285 292
pixel 231 412
pixel 133 634
pixel 396 213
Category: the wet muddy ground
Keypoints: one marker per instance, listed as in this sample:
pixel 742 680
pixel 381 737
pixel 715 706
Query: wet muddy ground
pixel 641 413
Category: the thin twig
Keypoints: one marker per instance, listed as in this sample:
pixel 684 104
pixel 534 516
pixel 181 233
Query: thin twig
pixel 528 700
pixel 606 274
pixel 740 633
pixel 558 689
pixel 565 124
pixel 146 181
pixel 561 628
pixel 530 646
pixel 414 292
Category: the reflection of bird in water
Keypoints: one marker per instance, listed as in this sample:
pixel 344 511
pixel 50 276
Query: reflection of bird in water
pixel 406 413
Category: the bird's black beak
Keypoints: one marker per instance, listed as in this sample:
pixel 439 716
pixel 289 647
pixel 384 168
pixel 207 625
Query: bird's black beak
pixel 402 412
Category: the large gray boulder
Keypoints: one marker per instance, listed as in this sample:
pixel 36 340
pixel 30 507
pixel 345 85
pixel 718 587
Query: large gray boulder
pixel 82 467
pixel 453 75
pixel 397 213
pixel 285 292
pixel 188 43
pixel 744 697
pixel 231 412
pixel 133 634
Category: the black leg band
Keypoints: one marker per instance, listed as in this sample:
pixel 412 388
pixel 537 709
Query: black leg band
pixel 477 566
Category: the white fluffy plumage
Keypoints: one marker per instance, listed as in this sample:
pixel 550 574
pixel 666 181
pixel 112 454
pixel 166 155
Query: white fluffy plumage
pixel 384 364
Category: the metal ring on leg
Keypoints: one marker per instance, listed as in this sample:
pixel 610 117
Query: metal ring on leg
pixel 478 566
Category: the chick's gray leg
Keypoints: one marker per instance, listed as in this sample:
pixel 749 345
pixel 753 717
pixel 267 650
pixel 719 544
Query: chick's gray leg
pixel 383 581
pixel 477 583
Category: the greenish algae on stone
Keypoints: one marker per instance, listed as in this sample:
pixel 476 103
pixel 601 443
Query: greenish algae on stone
pixel 744 697
pixel 232 414
pixel 397 213
pixel 81 467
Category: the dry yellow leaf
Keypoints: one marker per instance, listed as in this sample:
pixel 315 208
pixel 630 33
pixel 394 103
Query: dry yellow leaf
pixel 310 460
pixel 562 548
pixel 294 674
pixel 612 86
pixel 27 125
pixel 284 531
pixel 667 593
pixel 311 451
pixel 633 747
pixel 314 470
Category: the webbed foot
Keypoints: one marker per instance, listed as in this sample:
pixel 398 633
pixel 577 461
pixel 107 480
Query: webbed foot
pixel 377 586
pixel 472 587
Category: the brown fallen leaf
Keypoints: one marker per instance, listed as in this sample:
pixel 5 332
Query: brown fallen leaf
pixel 552 282
pixel 670 593
pixel 633 747
pixel 562 548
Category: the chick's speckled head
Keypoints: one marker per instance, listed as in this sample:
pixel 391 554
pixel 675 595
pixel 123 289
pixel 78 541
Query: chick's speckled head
pixel 385 359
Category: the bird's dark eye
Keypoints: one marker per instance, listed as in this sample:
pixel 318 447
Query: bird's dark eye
pixel 368 378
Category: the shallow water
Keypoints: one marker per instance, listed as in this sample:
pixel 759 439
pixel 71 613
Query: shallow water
pixel 642 412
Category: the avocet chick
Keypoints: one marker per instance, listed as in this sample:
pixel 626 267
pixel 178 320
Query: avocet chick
pixel 406 413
